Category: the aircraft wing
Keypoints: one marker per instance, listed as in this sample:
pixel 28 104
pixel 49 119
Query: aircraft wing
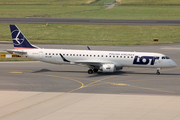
pixel 86 62
pixel 90 63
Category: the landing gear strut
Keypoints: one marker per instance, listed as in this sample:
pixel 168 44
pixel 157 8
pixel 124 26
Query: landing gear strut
pixel 95 70
pixel 158 73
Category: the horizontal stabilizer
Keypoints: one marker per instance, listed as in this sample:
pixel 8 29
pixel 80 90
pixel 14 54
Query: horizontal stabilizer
pixel 12 51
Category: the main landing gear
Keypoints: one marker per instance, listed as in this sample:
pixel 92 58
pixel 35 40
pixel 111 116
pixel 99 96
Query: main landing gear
pixel 158 73
pixel 90 71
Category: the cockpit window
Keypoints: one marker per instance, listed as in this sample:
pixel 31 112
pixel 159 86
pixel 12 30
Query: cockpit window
pixel 165 57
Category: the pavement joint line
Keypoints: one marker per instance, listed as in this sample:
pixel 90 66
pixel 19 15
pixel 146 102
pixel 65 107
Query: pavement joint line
pixel 152 89
pixel 170 69
pixel 159 106
pixel 161 70
pixel 111 83
pixel 120 84
pixel 97 84
pixel 16 72
pixel 82 85
pixel 85 79
pixel 38 103
pixel 115 83
pixel 148 79
pixel 98 81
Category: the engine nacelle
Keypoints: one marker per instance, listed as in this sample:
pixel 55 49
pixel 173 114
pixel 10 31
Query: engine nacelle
pixel 108 68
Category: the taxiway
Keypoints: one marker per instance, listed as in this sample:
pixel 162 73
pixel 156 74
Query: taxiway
pixel 42 91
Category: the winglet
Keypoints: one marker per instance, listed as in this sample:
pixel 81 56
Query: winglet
pixel 88 48
pixel 19 40
pixel 64 59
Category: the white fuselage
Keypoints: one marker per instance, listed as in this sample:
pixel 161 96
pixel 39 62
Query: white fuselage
pixel 118 58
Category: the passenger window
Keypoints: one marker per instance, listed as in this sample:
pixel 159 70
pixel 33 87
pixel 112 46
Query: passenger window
pixel 113 56
pixel 94 55
pixel 56 54
pixel 117 56
pixel 49 53
pixel 53 54
pixel 124 56
pixel 109 56
pixel 90 55
pixel 63 54
pixel 106 56
pixel 67 54
pixel 79 54
pixel 73 54
pixel 101 55
pixel 127 56
pixel 98 55
pixel 131 56
pixel 83 55
pixel 87 55
pixel 70 54
pixel 121 56
pixel 46 54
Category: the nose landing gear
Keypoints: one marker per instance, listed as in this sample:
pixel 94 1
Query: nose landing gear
pixel 158 73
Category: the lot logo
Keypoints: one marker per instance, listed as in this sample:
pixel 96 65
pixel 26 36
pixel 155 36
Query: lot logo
pixel 144 60
pixel 17 37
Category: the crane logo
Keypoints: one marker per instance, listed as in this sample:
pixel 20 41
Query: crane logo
pixel 17 37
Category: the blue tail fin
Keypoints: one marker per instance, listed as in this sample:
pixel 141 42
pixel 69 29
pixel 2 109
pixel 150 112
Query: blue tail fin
pixel 19 40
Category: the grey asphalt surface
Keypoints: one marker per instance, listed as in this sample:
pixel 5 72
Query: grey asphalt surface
pixel 89 21
pixel 44 77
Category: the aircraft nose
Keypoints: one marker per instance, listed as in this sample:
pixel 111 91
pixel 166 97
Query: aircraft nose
pixel 173 63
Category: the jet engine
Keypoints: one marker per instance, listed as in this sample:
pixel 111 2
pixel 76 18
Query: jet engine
pixel 108 68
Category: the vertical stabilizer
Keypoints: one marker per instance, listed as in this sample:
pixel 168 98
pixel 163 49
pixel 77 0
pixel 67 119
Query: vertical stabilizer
pixel 19 40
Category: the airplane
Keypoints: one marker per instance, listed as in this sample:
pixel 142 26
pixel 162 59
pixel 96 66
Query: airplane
pixel 105 61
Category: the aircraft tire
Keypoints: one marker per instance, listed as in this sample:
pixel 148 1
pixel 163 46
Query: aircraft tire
pixel 158 73
pixel 90 71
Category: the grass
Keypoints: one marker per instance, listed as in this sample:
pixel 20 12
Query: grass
pixel 95 34
pixel 13 59
pixel 93 2
pixel 88 11
pixel 150 2
pixel 131 12
pixel 72 2
pixel 47 11
pixel 103 2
